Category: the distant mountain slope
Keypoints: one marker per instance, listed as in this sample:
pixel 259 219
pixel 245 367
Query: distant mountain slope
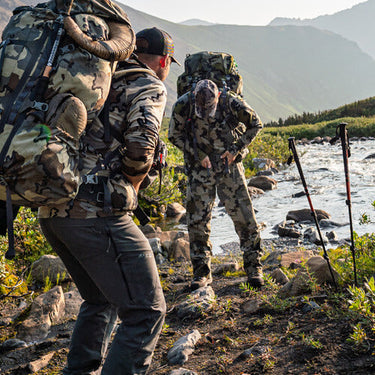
pixel 356 24
pixel 196 22
pixel 286 69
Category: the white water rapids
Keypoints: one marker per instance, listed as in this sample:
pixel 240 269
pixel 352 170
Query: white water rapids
pixel 323 168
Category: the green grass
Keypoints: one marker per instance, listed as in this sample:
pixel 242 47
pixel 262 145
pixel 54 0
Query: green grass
pixel 357 127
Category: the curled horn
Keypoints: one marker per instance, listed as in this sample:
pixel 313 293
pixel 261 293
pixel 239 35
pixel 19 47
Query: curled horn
pixel 119 47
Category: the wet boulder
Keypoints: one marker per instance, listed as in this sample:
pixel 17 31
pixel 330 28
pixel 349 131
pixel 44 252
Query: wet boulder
pixel 305 215
pixel 255 192
pixel 175 209
pixel 288 229
pixel 263 182
pixel 312 235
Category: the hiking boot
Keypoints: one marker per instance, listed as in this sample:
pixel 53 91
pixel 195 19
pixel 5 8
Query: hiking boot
pixel 200 282
pixel 255 279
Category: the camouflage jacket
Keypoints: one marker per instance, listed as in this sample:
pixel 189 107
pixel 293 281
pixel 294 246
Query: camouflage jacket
pixel 232 129
pixel 137 101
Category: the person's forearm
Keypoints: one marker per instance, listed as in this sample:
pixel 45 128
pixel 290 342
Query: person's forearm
pixel 135 180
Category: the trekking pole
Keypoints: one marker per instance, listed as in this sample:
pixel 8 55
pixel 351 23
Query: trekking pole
pixel 342 133
pixel 292 147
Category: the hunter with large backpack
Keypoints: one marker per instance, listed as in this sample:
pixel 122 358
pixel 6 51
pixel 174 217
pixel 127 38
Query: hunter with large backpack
pixel 105 252
pixel 56 65
pixel 213 125
pixel 58 68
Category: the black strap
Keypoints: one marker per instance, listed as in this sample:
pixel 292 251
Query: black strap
pixel 10 254
pixel 104 118
pixel 3 44
pixel 190 124
pixel 141 216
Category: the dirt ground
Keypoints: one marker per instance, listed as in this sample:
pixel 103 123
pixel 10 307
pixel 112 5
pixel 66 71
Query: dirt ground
pixel 280 337
pixel 288 340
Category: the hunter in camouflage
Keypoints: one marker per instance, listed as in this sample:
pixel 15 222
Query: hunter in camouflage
pixel 213 129
pixel 107 255
pixel 40 128
pixel 142 96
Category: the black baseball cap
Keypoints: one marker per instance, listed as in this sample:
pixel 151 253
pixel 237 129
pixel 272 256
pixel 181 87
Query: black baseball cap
pixel 155 42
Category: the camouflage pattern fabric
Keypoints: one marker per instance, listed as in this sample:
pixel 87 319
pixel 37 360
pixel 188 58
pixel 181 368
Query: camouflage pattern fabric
pixel 137 103
pixel 234 127
pixel 219 67
pixel 40 165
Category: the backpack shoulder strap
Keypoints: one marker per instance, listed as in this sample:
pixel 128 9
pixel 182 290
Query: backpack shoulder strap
pixel 126 72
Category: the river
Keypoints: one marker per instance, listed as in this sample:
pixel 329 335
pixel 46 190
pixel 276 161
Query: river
pixel 323 168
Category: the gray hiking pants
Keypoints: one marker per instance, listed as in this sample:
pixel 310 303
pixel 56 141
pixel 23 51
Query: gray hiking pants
pixel 113 266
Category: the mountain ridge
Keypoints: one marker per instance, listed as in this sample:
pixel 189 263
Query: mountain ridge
pixel 355 23
pixel 286 69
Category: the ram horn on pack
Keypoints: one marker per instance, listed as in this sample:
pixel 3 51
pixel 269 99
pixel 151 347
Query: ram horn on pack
pixel 118 48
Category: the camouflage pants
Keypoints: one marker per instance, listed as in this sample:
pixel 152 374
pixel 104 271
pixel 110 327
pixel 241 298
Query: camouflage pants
pixel 233 193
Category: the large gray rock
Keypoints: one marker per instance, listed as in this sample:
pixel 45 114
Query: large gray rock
pixel 46 310
pixel 180 250
pixel 318 267
pixel 73 301
pixel 182 371
pixel 251 306
pixel 263 163
pixel 168 236
pixel 226 267
pixel 12 344
pixel 299 285
pixel 182 348
pixel 282 259
pixel 40 363
pixel 279 276
pixel 155 245
pixel 51 266
pixel 197 303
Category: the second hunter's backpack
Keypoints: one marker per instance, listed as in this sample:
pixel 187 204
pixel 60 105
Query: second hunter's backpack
pixel 56 64
pixel 219 67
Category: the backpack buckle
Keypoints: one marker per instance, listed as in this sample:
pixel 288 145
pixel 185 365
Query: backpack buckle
pixel 100 197
pixel 90 179
pixel 40 106
pixel 3 181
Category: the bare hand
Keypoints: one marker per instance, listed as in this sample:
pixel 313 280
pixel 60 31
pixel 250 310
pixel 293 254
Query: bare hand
pixel 206 162
pixel 229 156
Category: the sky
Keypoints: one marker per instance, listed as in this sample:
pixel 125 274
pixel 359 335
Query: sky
pixel 240 12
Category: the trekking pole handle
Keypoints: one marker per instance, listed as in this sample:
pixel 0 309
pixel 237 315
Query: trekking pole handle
pixel 51 58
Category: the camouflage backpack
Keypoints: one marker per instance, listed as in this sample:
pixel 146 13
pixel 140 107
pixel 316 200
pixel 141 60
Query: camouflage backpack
pixel 217 66
pixel 56 64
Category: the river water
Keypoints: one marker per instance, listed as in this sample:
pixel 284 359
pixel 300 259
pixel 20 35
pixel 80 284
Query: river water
pixel 323 168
